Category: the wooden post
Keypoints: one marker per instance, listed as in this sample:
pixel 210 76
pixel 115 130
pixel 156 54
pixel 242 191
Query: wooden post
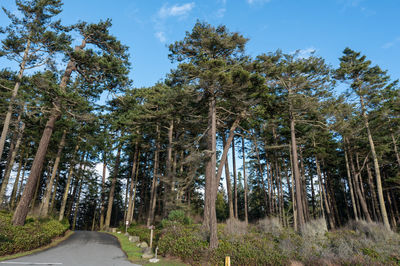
pixel 151 235
pixel 227 261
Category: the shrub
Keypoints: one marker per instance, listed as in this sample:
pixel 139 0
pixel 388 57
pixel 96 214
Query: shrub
pixel 176 217
pixel 34 234
pixel 270 225
pixel 185 242
pixel 235 227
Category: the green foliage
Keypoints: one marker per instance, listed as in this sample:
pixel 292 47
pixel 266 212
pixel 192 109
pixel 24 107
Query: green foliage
pixel 176 217
pixel 34 234
pixel 143 233
pixel 185 242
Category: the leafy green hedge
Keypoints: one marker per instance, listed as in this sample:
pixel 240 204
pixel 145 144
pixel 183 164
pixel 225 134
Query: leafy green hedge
pixel 34 234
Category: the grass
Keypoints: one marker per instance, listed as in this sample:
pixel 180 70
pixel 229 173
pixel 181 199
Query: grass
pixel 54 243
pixel 134 253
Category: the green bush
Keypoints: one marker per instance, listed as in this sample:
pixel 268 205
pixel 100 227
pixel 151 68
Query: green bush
pixel 34 234
pixel 176 217
pixel 143 233
pixel 185 242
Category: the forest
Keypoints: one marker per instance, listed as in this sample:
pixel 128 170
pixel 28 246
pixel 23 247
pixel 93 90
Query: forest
pixel 223 137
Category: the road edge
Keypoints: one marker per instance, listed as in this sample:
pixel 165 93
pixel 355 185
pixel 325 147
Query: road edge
pixel 54 242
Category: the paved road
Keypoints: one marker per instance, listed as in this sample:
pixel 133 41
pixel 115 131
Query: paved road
pixel 83 248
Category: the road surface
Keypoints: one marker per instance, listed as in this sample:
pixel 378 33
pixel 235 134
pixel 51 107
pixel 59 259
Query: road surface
pixel 83 248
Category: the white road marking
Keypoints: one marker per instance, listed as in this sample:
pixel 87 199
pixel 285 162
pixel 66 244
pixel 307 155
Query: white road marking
pixel 31 263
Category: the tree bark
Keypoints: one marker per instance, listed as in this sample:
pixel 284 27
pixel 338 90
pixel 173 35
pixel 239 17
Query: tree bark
pixel 112 189
pixel 296 172
pixel 133 183
pixel 23 206
pixel 353 201
pixel 376 166
pixel 7 119
pixel 11 163
pixel 68 184
pixel 324 192
pixel 103 196
pixel 154 185
pixel 235 192
pixel 78 200
pixel 395 148
pixel 358 191
pixel 246 218
pixel 15 186
pixel 228 184
pixel 44 207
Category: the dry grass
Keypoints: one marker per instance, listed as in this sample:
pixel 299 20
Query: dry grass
pixel 270 225
pixel 235 227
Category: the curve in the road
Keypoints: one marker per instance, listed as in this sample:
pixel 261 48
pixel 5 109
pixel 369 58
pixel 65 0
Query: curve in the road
pixel 83 248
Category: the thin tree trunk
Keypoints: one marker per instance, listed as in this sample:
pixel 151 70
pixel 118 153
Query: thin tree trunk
pixel 353 201
pixel 358 191
pixel 15 186
pixel 103 196
pixel 154 185
pixel 294 203
pixel 11 163
pixel 68 184
pixel 21 186
pixel 395 147
pixel 168 195
pixel 78 200
pixel 7 119
pixel 228 184
pixel 246 218
pixel 53 196
pixel 261 177
pixel 324 192
pixel 134 193
pixel 373 195
pixel 133 183
pixel 44 207
pixel 296 172
pixel 235 192
pixel 112 189
pixel 376 167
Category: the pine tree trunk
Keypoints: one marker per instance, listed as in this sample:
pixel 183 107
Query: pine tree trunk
pixel 376 166
pixel 246 218
pixel 21 186
pixel 168 192
pixel 53 196
pixel 68 184
pixel 154 185
pixel 228 184
pixel 133 183
pixel 358 191
pixel 293 194
pixel 112 189
pixel 261 177
pixel 44 207
pixel 350 183
pixel 296 172
pixel 78 200
pixel 103 196
pixel 14 152
pixel 373 195
pixel 235 192
pixel 7 120
pixel 324 192
pixel 395 148
pixel 15 186
pixel 213 179
pixel 23 206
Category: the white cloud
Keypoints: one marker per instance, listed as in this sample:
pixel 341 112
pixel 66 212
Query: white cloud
pixel 391 43
pixel 161 36
pixel 304 53
pixel 175 10
pixel 220 13
pixel 251 2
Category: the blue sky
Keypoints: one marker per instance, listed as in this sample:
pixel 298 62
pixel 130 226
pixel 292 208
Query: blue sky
pixel 327 26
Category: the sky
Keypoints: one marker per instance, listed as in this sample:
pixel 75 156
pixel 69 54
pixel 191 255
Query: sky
pixel 326 27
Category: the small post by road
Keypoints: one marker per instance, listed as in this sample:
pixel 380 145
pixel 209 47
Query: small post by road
pixel 151 235
pixel 227 261
pixel 126 226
